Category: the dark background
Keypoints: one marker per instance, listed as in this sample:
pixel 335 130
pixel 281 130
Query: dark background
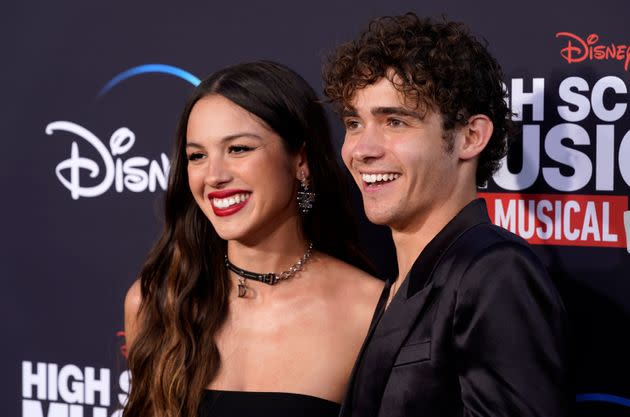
pixel 66 264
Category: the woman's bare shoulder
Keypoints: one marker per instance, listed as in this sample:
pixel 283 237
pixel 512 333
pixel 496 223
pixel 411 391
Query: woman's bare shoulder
pixel 351 283
pixel 353 294
pixel 133 300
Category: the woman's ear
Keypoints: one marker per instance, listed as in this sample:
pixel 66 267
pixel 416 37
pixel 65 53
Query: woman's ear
pixel 301 167
pixel 476 134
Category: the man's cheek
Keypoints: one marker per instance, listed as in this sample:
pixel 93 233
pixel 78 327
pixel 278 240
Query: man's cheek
pixel 346 155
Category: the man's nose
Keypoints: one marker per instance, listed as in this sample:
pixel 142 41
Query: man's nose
pixel 368 145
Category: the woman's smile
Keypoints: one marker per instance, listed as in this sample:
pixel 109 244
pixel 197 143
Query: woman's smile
pixel 228 202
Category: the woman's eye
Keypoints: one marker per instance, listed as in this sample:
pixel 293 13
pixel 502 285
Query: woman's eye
pixel 239 149
pixel 195 156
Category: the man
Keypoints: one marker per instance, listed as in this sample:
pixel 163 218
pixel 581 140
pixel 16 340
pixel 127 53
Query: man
pixel 472 325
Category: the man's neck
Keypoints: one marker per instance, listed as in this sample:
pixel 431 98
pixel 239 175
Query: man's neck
pixel 411 241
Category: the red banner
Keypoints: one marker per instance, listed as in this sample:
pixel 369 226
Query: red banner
pixel 561 219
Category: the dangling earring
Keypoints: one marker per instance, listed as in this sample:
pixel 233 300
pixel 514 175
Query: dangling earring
pixel 304 197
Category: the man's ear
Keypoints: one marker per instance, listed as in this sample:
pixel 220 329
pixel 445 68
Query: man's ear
pixel 301 165
pixel 476 134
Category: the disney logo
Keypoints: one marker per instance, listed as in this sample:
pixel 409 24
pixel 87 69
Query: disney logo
pixel 131 174
pixel 579 50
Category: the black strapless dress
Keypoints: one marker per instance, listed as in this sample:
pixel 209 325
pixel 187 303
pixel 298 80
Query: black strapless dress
pixel 264 404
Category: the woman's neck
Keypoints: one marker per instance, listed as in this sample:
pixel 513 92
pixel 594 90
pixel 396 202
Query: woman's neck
pixel 275 252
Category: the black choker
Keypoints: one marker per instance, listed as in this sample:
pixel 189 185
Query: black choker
pixel 270 278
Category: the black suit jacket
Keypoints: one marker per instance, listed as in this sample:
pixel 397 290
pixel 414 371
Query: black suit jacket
pixel 476 329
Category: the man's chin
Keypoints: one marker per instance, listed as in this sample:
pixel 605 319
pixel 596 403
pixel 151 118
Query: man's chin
pixel 378 217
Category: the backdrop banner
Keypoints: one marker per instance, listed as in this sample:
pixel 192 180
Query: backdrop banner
pixel 91 93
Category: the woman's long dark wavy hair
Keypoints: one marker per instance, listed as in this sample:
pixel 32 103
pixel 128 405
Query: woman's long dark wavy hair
pixel 184 282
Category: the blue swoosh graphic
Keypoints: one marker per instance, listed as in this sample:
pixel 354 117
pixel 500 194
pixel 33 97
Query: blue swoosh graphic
pixel 150 68
pixel 607 398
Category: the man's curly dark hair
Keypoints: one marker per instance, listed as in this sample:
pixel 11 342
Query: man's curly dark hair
pixel 439 65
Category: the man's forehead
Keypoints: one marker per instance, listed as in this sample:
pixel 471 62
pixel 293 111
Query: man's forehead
pixel 383 97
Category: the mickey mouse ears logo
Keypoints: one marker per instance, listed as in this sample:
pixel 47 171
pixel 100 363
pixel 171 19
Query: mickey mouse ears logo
pixel 149 69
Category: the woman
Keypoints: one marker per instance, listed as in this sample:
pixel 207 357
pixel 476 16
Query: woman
pixel 254 187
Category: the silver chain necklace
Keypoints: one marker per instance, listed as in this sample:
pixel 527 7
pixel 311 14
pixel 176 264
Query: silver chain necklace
pixel 270 278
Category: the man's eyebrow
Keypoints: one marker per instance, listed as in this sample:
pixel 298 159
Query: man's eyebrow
pixel 395 111
pixel 349 112
pixel 193 144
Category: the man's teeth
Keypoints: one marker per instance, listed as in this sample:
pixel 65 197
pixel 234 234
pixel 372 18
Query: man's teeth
pixel 372 178
pixel 229 201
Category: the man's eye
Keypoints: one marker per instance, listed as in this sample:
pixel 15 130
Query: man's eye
pixel 239 149
pixel 395 123
pixel 351 124
pixel 195 156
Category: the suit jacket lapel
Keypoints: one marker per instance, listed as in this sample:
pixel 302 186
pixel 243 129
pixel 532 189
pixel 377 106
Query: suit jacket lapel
pixel 422 270
pixel 378 313
pixel 388 334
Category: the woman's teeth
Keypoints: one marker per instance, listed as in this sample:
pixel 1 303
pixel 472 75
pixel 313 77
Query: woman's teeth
pixel 373 178
pixel 229 201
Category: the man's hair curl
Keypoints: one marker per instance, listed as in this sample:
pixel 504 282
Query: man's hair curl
pixel 439 65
